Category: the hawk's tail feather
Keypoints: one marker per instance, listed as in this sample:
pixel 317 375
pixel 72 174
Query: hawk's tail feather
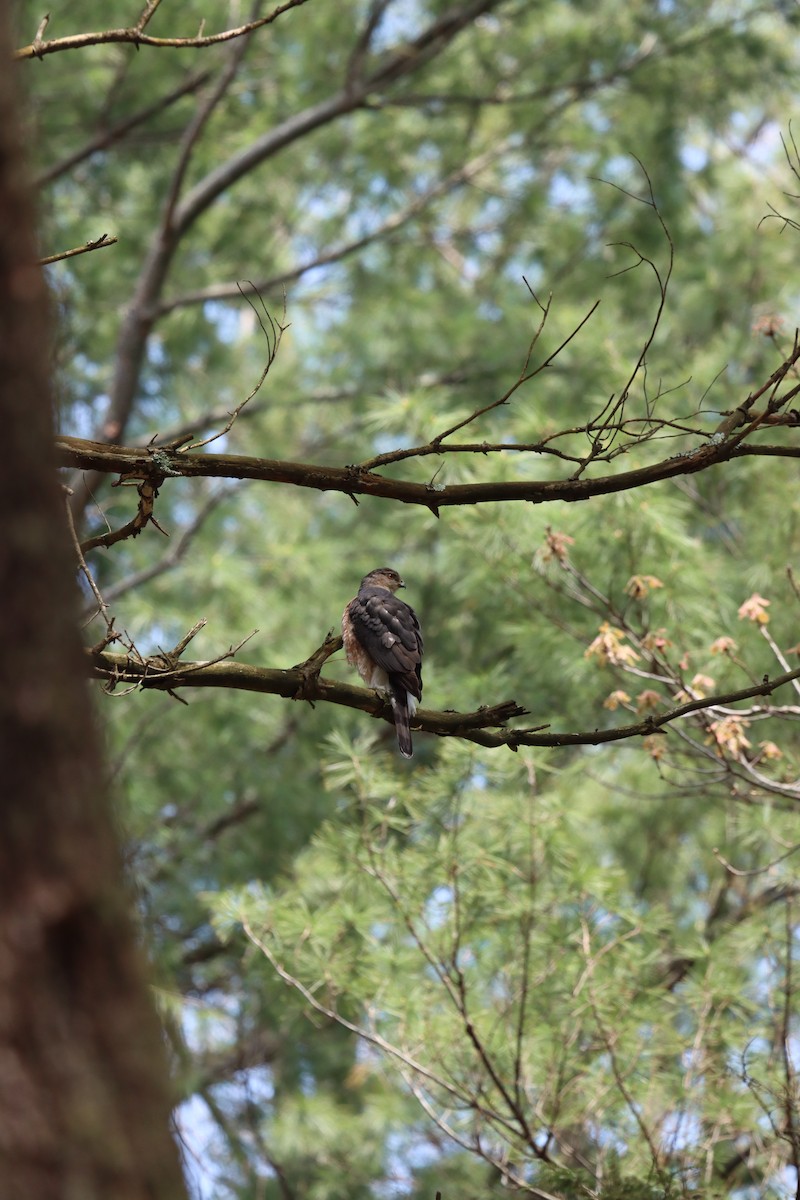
pixel 400 710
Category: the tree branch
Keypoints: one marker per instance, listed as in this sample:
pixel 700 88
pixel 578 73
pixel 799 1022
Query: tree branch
pixel 485 726
pixel 116 133
pixel 141 314
pixel 354 481
pixel 100 244
pixel 334 254
pixel 173 556
pixel 136 36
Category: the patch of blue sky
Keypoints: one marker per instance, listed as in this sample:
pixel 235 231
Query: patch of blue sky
pixel 209 1026
pixel 573 195
pixel 384 443
pixel 226 319
pixel 153 639
pixel 624 171
pixel 763 979
pixel 520 268
pixel 155 351
pixel 681 1130
pixel 381 931
pixel 595 117
pixel 489 311
pixel 401 21
pixel 519 174
pixel 200 1144
pixel 763 141
pixel 323 201
pixel 312 283
pixel 82 418
pixel 87 367
pixel 438 906
pixel 488 235
pixel 694 158
pixel 607 1137
pixel 406 1153
pixel 787 1182
pixel 200 1141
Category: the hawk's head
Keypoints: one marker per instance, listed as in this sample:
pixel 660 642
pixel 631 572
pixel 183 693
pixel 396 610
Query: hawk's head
pixel 383 577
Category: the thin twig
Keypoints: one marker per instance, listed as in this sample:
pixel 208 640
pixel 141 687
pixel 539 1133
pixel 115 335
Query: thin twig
pixel 324 1010
pixel 609 1040
pixel 768 638
pixel 102 606
pixel 273 333
pixel 100 244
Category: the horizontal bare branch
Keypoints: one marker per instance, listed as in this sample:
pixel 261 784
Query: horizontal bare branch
pixel 296 683
pixel 136 36
pixel 353 481
pixel 485 726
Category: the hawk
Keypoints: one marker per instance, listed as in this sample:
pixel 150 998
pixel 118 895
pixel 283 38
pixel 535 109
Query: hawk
pixel 382 640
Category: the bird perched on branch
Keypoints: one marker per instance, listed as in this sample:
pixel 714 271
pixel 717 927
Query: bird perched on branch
pixel 382 640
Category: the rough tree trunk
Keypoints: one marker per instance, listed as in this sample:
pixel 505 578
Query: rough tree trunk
pixel 84 1095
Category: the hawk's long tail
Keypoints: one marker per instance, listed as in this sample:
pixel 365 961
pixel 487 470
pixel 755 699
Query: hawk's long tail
pixel 403 706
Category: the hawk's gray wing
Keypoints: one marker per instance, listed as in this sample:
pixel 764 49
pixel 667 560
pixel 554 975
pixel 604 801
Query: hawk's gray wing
pixel 388 630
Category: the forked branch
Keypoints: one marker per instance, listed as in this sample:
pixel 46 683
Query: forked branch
pixel 135 35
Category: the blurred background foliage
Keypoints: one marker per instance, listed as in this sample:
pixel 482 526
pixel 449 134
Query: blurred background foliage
pixel 567 941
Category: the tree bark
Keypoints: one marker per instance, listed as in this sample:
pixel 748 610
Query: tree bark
pixel 84 1091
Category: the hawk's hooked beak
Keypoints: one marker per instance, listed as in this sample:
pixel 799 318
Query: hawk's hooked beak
pixel 401 584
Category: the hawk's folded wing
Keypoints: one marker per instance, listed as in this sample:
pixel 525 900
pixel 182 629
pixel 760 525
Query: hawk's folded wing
pixel 382 640
pixel 388 631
